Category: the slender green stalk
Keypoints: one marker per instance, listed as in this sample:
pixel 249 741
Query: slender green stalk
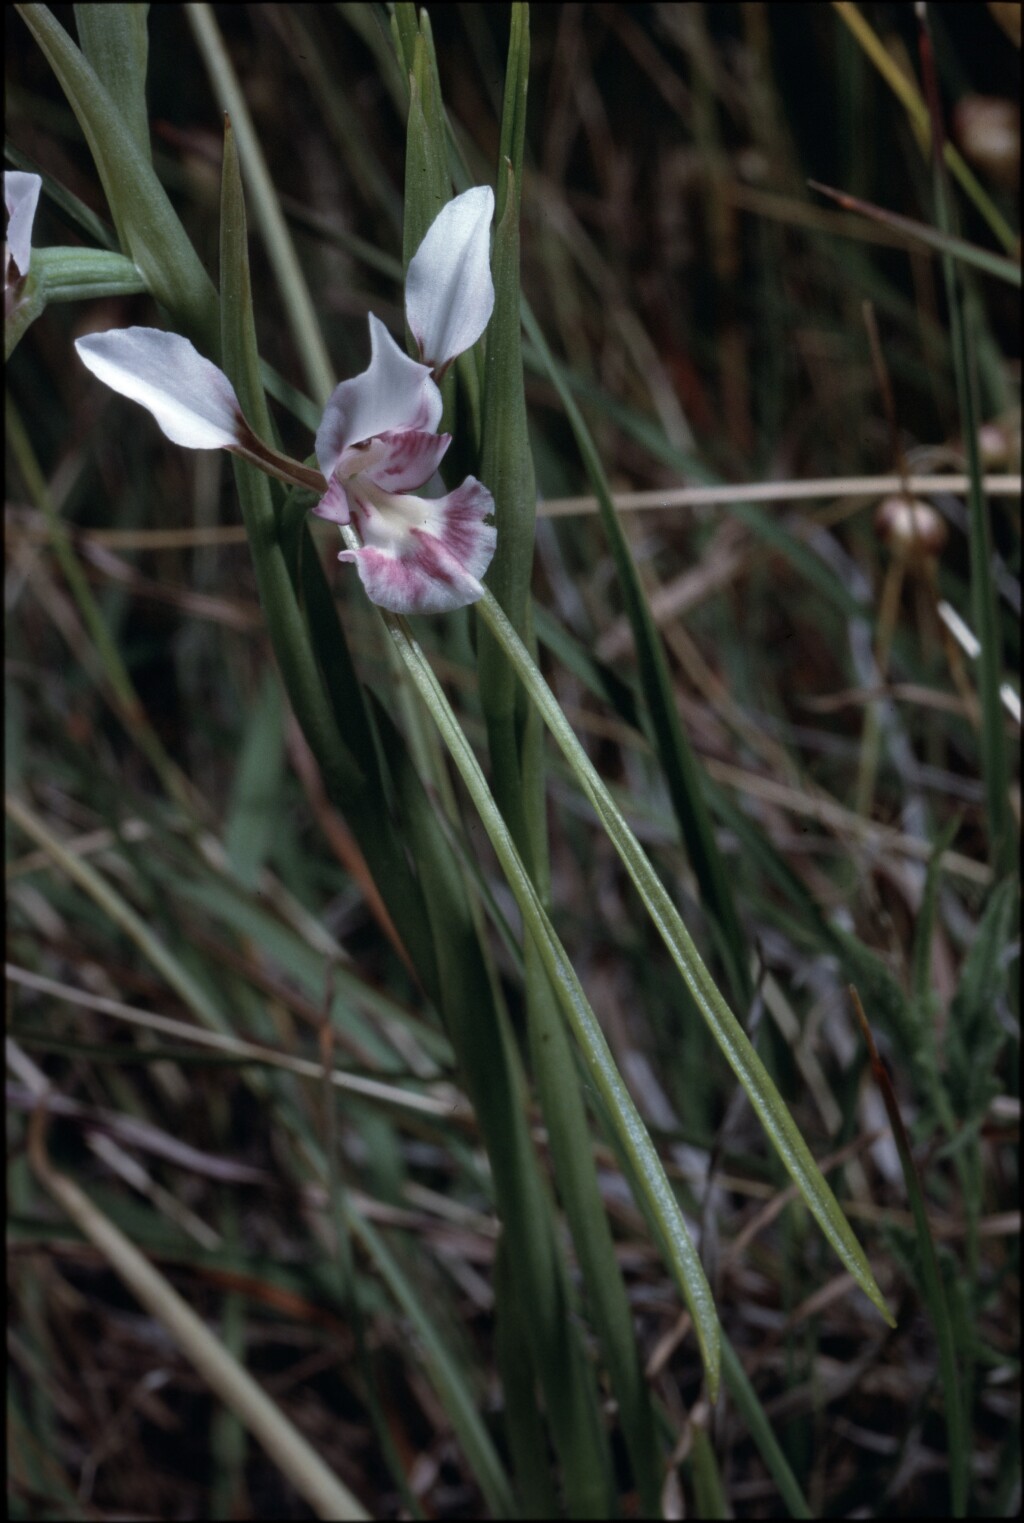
pixel 761 1431
pixel 280 248
pixel 984 607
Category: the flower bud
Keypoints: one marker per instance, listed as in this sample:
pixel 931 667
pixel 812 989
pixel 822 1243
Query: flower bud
pixel 987 129
pixel 999 443
pixel 912 529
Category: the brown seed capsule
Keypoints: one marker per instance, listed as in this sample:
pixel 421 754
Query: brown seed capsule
pixel 987 129
pixel 912 529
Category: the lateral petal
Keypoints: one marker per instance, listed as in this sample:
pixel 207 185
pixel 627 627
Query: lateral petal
pixel 333 505
pixel 193 402
pixel 409 458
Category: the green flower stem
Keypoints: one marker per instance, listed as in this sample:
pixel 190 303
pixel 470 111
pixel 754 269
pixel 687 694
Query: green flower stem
pixel 726 1029
pixel 631 1132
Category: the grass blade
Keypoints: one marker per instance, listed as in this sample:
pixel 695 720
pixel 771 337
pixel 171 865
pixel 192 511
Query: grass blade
pixel 678 762
pixel 306 1471
pixel 728 1032
pixel 931 1277
pixel 631 1132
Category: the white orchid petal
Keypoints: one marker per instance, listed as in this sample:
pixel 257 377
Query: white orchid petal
pixel 449 294
pixel 393 393
pixel 193 402
pixel 21 197
pixel 423 555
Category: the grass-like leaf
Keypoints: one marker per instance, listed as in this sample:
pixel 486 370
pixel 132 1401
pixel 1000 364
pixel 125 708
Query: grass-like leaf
pixel 729 1034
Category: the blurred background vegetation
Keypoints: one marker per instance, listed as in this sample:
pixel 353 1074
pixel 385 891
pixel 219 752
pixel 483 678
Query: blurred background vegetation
pixel 708 308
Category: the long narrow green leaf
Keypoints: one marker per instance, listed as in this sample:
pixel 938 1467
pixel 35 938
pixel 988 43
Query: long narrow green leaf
pixel 682 772
pixel 427 186
pixel 486 1052
pixel 564 1113
pixel 631 1132
pixel 524 1423
pixel 761 1431
pixel 147 224
pixel 728 1032
pixel 945 243
pixel 280 248
pixel 506 465
pixel 459 1401
pixel 115 40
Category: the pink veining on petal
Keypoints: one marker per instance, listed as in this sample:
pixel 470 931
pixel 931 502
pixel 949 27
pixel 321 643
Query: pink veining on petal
pixel 411 456
pixel 423 555
pixel 333 505
pixel 432 582
pixel 458 521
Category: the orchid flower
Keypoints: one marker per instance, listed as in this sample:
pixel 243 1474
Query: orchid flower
pixel 24 298
pixel 378 439
pixel 21 197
